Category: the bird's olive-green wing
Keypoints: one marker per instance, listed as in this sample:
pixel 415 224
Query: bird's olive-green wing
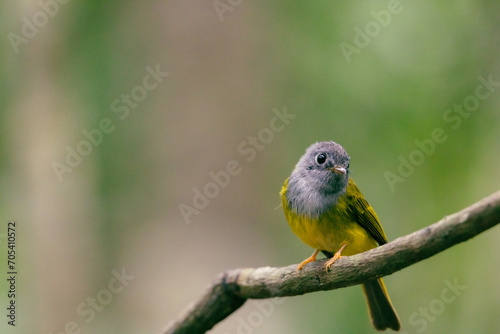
pixel 361 212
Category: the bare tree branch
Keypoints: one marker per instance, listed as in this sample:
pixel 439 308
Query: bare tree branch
pixel 233 287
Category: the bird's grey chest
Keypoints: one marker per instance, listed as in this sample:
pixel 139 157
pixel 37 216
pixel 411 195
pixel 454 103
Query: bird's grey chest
pixel 304 200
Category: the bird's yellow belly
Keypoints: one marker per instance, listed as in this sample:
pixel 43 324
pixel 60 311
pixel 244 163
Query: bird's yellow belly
pixel 330 231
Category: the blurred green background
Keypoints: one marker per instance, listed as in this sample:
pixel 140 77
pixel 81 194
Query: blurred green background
pixel 230 64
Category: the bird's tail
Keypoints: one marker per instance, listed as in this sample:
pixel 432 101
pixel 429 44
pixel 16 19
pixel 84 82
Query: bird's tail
pixel 382 313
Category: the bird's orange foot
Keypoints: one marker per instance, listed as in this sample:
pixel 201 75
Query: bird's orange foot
pixel 335 257
pixel 311 258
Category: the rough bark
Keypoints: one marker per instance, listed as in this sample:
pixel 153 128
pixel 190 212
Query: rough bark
pixel 232 288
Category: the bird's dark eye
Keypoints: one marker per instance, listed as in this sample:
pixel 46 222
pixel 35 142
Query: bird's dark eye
pixel 321 158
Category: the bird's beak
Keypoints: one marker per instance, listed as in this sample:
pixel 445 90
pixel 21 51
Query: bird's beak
pixel 338 170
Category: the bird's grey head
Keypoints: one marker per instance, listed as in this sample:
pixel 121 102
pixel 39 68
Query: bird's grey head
pixel 319 179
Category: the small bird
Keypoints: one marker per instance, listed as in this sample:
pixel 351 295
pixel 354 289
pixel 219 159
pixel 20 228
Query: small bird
pixel 325 208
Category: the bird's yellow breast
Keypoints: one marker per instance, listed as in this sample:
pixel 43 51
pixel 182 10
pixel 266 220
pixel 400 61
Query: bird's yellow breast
pixel 330 230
